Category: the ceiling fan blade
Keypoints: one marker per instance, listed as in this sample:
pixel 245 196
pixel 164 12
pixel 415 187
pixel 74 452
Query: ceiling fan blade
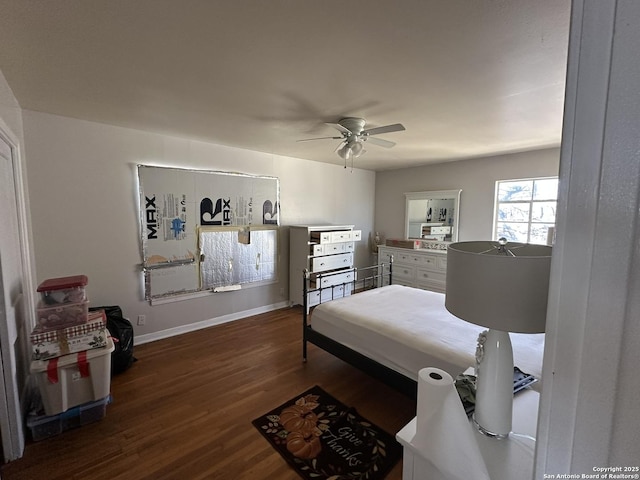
pixel 396 127
pixel 380 142
pixel 318 138
pixel 339 127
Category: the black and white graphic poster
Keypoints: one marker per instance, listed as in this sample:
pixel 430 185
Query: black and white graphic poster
pixel 175 203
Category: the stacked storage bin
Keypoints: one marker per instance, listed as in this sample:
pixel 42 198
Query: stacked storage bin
pixel 71 353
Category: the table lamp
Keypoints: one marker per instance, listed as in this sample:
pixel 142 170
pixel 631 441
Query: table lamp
pixel 503 287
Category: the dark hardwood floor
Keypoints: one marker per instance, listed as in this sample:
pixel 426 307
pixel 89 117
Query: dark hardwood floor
pixel 184 410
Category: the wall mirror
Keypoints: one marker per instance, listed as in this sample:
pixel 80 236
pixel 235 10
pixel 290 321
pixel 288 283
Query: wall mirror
pixel 432 215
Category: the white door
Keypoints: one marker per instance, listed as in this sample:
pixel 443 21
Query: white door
pixel 11 311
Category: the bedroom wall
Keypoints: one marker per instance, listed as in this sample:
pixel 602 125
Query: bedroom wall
pixel 10 112
pixel 83 189
pixel 476 177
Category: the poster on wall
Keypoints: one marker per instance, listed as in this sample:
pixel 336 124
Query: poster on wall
pixel 175 203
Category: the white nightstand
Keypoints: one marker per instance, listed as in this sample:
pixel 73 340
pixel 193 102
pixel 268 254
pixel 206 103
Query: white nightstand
pixel 505 459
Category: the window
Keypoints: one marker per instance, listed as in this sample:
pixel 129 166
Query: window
pixel 525 209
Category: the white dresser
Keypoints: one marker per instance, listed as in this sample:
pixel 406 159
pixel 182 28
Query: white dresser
pixel 320 249
pixel 421 268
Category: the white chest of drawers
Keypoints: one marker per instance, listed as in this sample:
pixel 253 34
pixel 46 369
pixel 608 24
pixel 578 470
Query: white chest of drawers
pixel 318 249
pixel 424 268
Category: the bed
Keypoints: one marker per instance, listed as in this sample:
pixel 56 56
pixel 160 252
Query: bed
pixel 392 331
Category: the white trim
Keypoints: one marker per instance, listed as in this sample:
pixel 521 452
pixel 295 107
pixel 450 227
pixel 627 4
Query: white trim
pixel 14 401
pixel 22 195
pixel 172 332
pixel 588 408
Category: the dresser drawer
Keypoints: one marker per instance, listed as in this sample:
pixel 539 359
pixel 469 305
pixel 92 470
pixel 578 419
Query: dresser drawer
pixel 334 279
pixel 429 276
pixel 332 248
pixel 430 280
pixel 433 286
pixel 407 258
pixel 330 262
pixel 341 236
pixel 404 272
pixel 329 294
pixel 433 262
pixel 405 282
pixel 384 256
pixel 336 236
pixel 320 237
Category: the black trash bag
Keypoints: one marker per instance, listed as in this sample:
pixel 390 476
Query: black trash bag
pixel 122 332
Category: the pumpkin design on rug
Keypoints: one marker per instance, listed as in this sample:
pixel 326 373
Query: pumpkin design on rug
pixel 322 438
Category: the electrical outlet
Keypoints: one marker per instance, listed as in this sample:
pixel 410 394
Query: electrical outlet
pixel 142 319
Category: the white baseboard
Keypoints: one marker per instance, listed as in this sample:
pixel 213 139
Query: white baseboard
pixel 172 332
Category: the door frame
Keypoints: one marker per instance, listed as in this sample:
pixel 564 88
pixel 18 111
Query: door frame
pixel 13 442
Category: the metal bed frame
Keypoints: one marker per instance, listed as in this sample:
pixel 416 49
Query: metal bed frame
pixel 363 279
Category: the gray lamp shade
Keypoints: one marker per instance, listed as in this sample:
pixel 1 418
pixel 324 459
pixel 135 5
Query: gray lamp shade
pixel 504 288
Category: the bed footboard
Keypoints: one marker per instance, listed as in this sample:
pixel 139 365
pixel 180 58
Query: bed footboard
pixel 396 380
pixel 363 279
pixel 324 287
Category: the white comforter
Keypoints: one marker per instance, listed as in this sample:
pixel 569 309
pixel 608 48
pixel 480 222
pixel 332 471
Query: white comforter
pixel 408 329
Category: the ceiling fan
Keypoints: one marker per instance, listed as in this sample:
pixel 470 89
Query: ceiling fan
pixel 354 135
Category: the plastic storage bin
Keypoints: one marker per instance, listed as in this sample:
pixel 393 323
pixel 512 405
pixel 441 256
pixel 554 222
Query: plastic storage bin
pixel 46 344
pixel 72 380
pixel 56 291
pixel 44 426
pixel 93 411
pixel 56 317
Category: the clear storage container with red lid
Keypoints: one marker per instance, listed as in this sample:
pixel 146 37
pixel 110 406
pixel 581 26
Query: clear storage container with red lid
pixel 64 315
pixel 56 291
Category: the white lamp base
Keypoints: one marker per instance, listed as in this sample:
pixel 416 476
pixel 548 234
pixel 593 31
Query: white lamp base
pixel 494 384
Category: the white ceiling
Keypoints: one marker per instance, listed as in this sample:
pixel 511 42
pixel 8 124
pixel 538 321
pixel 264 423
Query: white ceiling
pixel 466 78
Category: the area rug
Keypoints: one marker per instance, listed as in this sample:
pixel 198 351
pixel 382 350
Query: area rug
pixel 322 438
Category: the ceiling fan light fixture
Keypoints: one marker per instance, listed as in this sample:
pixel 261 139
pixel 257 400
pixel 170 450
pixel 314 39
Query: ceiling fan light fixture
pixel 357 149
pixel 354 135
pixel 352 149
pixel 345 152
